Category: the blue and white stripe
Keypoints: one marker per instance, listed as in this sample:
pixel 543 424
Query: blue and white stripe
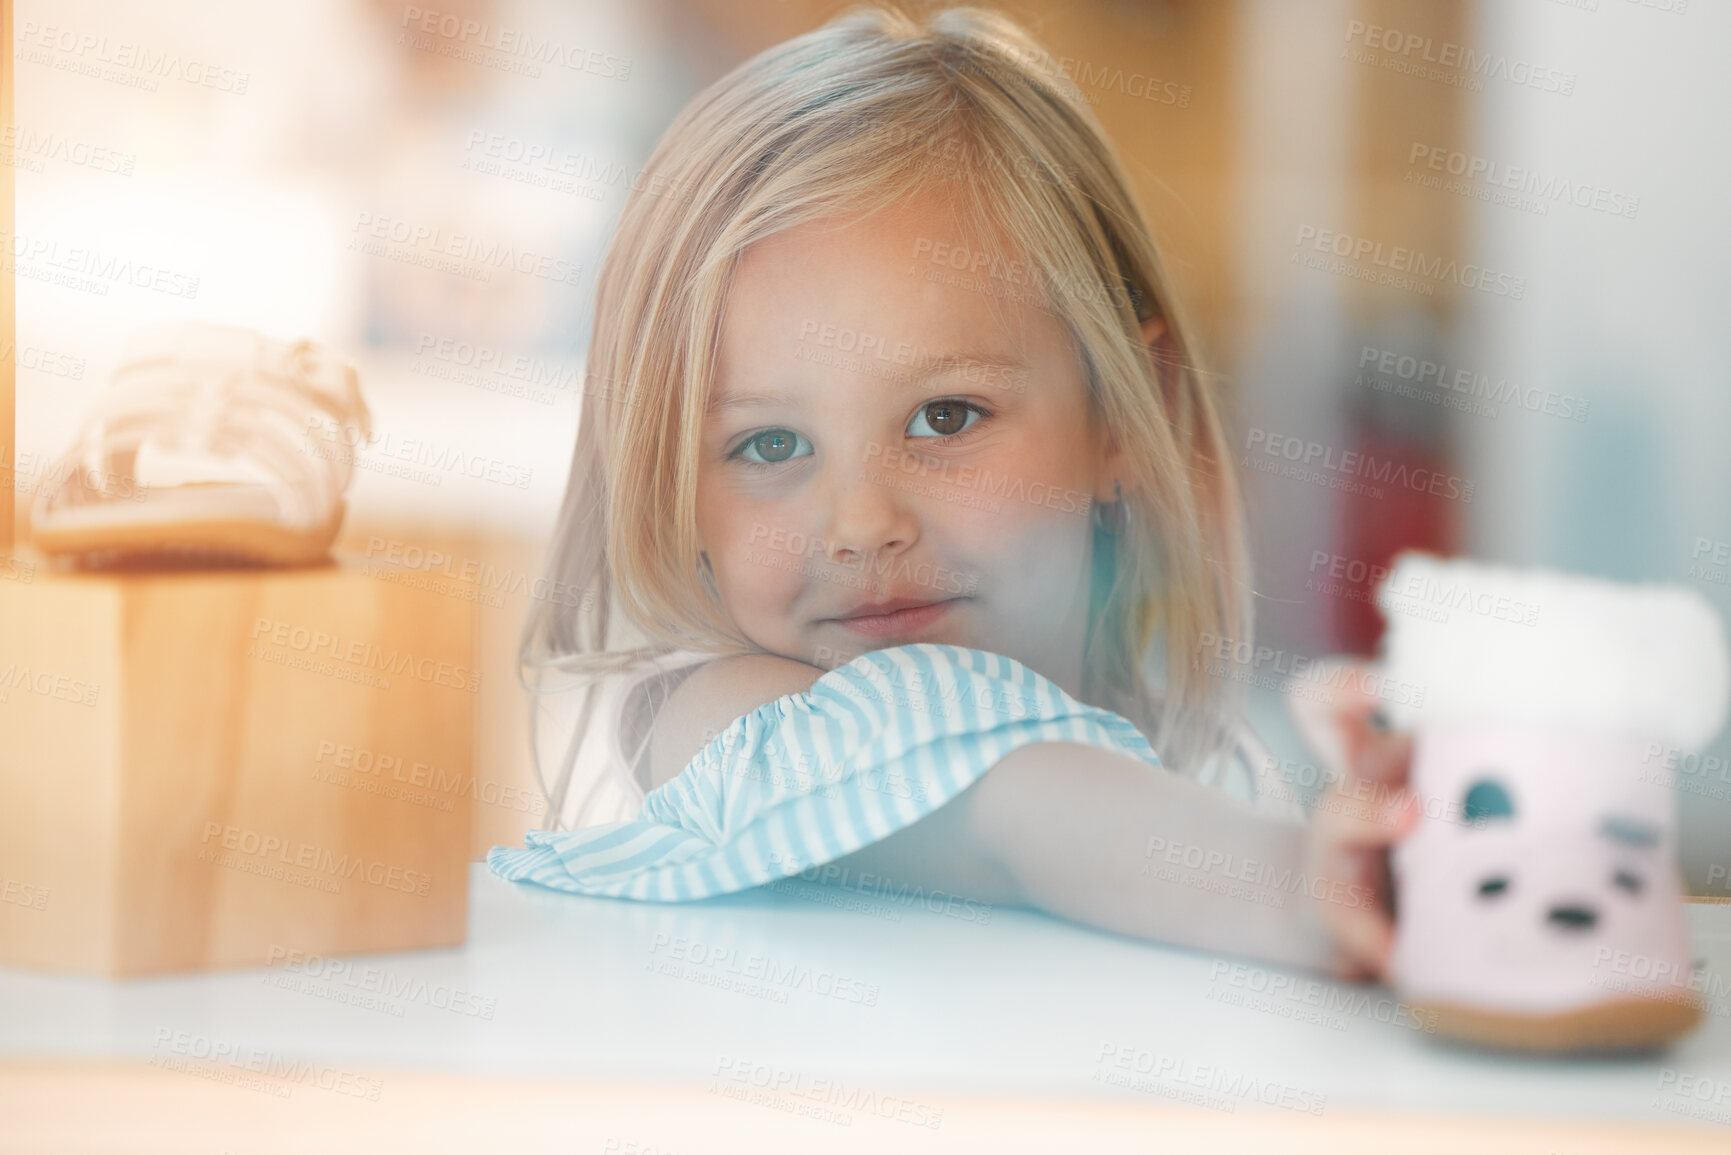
pixel 872 747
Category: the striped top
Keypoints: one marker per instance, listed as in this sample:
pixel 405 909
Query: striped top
pixel 873 746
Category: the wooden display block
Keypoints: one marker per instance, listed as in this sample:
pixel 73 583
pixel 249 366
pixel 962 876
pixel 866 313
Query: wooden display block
pixel 210 768
pixel 505 579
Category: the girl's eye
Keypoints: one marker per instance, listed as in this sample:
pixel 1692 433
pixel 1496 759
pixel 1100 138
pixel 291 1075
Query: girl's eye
pixel 945 418
pixel 772 446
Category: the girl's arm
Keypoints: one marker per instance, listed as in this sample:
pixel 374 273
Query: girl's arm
pixel 1096 836
pixel 1087 834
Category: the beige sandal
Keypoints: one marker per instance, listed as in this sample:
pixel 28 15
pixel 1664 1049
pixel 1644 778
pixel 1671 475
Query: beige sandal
pixel 200 449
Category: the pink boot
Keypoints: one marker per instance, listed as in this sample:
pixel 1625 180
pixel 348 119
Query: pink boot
pixel 1539 902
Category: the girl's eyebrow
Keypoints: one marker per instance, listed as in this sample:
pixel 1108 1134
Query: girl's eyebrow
pixel 933 367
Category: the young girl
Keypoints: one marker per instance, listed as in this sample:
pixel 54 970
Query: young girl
pixel 884 356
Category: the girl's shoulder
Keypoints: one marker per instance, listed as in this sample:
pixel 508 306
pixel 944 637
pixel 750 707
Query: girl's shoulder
pixel 641 701
pixel 707 699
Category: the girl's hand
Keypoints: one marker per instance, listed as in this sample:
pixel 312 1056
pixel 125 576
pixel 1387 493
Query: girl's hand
pixel 1364 811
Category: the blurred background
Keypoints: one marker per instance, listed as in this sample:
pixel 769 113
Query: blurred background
pixel 1478 239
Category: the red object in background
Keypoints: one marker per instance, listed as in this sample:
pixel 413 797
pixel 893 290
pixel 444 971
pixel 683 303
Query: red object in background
pixel 1394 511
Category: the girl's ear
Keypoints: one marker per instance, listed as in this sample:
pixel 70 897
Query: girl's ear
pixel 1166 357
pixel 1165 362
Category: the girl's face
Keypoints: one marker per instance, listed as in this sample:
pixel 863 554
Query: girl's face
pixel 892 455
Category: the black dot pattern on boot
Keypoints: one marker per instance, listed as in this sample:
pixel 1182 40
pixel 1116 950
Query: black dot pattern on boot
pixel 1573 918
pixel 1628 880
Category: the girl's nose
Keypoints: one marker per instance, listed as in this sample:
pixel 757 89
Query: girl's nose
pixel 868 516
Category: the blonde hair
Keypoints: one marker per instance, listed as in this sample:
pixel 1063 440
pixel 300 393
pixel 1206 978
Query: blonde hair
pixel 864 112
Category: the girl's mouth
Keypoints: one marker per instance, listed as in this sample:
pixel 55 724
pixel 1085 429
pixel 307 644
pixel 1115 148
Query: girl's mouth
pixel 895 619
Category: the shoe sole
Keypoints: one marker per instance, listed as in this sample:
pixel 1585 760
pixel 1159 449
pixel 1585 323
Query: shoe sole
pixel 1630 1024
pixel 215 540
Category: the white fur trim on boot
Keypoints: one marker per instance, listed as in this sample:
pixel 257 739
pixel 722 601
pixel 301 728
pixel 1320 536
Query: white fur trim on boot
pixel 1486 643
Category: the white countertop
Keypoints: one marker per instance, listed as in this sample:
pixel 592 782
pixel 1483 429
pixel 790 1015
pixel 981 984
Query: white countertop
pixel 885 996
